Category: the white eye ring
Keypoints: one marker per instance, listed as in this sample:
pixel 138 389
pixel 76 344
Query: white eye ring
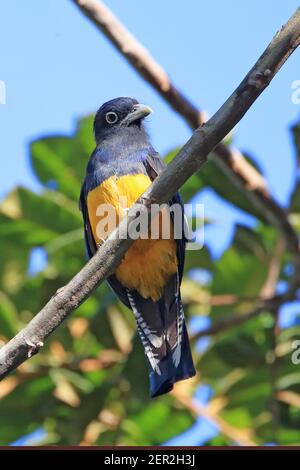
pixel 111 117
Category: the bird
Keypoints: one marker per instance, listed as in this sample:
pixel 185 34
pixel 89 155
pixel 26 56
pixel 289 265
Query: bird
pixel 121 168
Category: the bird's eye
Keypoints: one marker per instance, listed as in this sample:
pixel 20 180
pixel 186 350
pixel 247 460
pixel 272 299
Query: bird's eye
pixel 111 117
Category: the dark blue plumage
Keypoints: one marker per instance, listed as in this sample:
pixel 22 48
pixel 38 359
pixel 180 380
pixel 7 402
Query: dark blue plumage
pixel 123 148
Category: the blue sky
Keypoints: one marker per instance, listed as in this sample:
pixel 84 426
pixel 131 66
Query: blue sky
pixel 58 67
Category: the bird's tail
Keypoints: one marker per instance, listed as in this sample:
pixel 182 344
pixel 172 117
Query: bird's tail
pixel 163 333
pixel 171 373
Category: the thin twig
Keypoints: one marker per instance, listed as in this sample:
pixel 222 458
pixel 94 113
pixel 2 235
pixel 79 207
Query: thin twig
pixel 289 397
pixel 269 288
pixel 239 436
pixel 229 321
pixel 189 160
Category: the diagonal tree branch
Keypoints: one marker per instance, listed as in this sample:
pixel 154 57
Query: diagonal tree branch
pixel 231 161
pixel 190 159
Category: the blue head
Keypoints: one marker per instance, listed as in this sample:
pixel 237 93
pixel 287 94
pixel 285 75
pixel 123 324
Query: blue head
pixel 117 115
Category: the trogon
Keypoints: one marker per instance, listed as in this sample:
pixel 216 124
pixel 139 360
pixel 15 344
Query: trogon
pixel 121 168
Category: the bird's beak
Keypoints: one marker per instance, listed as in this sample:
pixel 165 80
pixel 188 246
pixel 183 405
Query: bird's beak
pixel 139 111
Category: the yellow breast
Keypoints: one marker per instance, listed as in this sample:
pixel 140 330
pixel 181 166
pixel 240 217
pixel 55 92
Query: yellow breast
pixel 148 264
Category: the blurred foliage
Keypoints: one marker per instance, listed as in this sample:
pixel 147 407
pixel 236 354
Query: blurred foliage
pixel 89 383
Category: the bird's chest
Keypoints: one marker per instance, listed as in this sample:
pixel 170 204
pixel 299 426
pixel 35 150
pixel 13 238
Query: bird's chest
pixel 108 203
pixel 148 264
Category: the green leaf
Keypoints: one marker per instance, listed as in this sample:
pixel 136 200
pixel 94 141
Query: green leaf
pixel 9 321
pixel 233 266
pixel 294 205
pixel 60 161
pixel 296 137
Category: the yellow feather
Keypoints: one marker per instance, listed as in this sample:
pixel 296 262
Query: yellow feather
pixel 148 264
